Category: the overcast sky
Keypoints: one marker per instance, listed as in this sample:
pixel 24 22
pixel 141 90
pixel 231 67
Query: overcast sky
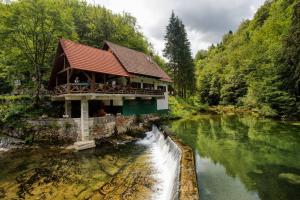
pixel 206 21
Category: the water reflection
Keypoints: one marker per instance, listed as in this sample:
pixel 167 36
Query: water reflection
pixel 244 157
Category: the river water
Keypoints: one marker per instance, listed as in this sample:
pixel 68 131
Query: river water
pixel 242 157
pixel 146 169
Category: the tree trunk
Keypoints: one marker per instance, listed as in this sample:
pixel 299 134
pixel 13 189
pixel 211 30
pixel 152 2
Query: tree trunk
pixel 38 85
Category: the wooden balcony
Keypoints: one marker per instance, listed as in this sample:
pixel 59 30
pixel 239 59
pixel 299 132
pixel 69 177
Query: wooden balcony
pixel 84 88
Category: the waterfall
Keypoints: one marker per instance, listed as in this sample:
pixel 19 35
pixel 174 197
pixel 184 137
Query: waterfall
pixel 165 155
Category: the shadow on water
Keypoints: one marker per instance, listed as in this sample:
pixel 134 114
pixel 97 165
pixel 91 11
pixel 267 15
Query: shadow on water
pixel 242 157
pixel 122 172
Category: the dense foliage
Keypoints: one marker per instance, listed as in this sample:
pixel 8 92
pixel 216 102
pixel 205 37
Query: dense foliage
pixel 178 51
pixel 258 66
pixel 30 30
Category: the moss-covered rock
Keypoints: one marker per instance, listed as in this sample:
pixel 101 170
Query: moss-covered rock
pixel 291 178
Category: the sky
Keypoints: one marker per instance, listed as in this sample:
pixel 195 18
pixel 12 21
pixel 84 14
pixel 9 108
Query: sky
pixel 206 21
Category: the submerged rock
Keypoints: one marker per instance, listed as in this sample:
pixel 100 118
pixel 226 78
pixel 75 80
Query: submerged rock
pixel 291 178
pixel 2 193
pixel 7 143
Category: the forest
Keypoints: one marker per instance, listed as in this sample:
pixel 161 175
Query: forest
pixel 258 66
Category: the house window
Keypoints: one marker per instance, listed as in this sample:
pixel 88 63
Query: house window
pixel 135 85
pixel 148 86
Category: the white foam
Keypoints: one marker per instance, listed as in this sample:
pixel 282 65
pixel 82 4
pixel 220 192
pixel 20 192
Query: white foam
pixel 165 157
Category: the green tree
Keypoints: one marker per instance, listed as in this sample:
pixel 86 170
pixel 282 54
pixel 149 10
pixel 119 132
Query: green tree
pixel 178 51
pixel 200 55
pixel 31 32
pixel 289 60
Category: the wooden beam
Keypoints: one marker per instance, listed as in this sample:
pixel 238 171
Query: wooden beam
pixel 71 73
pixel 61 55
pixel 64 70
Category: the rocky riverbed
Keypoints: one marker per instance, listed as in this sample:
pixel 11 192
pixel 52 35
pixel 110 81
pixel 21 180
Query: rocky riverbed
pixel 7 143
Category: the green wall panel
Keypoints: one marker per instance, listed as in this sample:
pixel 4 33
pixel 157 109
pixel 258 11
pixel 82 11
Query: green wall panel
pixel 139 107
pixel 162 111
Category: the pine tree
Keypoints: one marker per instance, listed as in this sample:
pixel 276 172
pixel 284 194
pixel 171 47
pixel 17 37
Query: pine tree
pixel 178 52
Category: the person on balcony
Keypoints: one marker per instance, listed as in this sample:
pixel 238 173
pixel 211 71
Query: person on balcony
pixel 76 81
pixel 113 83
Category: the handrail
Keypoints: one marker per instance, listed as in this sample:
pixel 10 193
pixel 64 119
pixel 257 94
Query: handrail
pixel 77 88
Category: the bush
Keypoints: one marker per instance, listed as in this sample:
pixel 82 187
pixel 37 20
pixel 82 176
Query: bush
pixel 5 87
pixel 180 108
pixel 14 109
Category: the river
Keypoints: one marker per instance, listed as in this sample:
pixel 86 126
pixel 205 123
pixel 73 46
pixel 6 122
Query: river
pixel 141 170
pixel 243 157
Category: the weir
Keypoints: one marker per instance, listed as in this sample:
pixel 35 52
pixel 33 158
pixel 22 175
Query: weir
pixel 166 156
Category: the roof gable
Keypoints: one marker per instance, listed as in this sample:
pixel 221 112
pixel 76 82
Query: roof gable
pixel 89 58
pixel 137 62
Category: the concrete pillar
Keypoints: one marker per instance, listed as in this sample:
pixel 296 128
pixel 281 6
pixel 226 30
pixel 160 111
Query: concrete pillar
pixel 68 108
pixel 84 120
pixel 155 86
pixel 142 85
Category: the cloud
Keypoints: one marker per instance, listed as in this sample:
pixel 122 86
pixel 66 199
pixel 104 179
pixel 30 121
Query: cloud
pixel 206 21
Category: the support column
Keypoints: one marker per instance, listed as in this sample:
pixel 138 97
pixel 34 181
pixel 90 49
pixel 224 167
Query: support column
pixel 84 120
pixel 68 81
pixel 68 108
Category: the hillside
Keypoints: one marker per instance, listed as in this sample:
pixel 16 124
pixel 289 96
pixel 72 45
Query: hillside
pixel 256 67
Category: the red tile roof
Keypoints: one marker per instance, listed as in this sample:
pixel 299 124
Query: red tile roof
pixel 137 62
pixel 92 59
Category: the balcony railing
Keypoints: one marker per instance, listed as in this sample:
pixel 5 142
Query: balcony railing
pixel 79 88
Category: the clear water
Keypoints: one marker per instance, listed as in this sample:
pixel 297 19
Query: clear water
pixel 242 157
pixel 146 169
pixel 107 172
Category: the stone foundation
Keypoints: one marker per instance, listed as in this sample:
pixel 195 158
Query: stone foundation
pixel 53 131
pixel 69 130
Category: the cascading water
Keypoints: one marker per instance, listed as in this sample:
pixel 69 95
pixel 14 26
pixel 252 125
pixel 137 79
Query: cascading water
pixel 165 156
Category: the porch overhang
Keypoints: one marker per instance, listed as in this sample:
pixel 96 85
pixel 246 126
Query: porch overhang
pixel 97 96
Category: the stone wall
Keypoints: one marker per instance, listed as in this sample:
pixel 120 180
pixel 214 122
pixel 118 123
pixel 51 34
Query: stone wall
pixel 188 179
pixel 101 127
pixel 49 131
pixel 69 129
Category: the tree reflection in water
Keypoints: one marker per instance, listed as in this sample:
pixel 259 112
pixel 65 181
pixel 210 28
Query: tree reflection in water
pixel 242 157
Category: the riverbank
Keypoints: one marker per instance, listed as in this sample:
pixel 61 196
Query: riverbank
pixel 184 108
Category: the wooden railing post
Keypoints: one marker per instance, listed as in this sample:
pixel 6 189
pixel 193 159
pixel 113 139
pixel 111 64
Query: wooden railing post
pixel 93 82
